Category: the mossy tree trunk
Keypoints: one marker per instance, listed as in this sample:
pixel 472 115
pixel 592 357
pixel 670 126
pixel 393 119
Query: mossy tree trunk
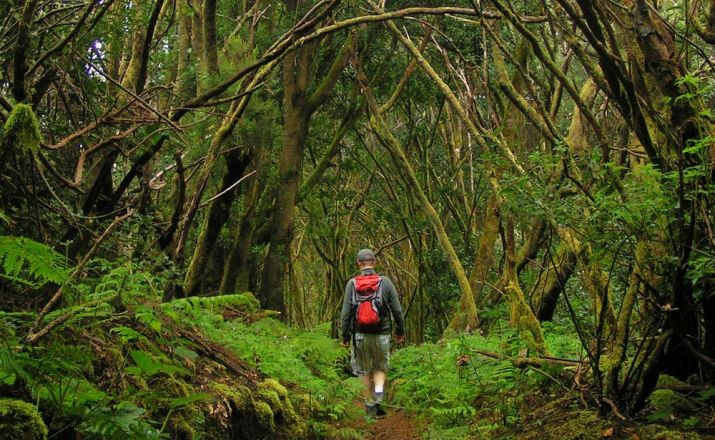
pixel 548 290
pixel 218 213
pixel 299 105
pixel 185 77
pixel 520 314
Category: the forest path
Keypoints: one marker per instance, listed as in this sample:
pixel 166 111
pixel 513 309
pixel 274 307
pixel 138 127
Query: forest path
pixel 397 424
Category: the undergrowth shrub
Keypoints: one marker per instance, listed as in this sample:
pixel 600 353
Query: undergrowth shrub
pixel 463 393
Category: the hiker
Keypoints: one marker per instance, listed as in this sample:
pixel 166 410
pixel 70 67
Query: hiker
pixel 369 300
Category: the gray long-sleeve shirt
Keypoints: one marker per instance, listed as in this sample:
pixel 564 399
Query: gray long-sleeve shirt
pixel 389 296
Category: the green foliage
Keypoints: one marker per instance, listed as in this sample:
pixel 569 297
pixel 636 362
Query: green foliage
pixel 444 380
pixel 307 359
pixel 147 365
pixel 212 304
pixel 120 421
pixel 462 393
pixel 22 129
pixel 28 262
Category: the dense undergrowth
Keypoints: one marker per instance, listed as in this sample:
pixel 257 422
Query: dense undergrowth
pixel 123 364
pixel 462 392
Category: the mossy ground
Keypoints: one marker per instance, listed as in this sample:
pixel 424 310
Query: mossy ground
pixel 160 371
pixel 20 420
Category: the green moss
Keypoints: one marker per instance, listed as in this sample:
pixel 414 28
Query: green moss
pixel 265 416
pixel 186 418
pixel 582 424
pixel 276 386
pixel 275 395
pixel 304 406
pixel 20 420
pixel 271 398
pixel 665 381
pixel 22 129
pixel 663 400
pixel 658 432
pixel 239 395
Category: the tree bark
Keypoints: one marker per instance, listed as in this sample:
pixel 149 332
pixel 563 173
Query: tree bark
pixel 136 75
pixel 290 165
pixel 547 292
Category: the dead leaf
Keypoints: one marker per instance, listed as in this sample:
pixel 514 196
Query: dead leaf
pixel 607 432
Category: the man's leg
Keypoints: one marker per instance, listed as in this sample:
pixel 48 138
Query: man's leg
pixel 379 379
pixel 370 407
pixel 379 394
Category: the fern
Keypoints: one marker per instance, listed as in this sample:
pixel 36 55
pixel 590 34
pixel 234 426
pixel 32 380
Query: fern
pixel 123 420
pixel 31 263
pixel 243 301
pixel 148 366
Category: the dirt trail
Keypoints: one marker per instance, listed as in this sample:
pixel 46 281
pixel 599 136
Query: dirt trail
pixel 395 425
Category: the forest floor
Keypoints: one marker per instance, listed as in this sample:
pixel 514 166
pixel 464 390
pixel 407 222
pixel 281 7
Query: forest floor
pixel 397 424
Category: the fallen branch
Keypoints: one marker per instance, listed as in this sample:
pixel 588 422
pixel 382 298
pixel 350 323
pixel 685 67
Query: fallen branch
pixel 220 354
pixel 228 189
pixel 613 408
pixel 523 362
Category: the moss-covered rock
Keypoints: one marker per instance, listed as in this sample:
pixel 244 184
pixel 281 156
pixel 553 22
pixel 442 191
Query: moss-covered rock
pixel 669 400
pixel 20 421
pixel 185 419
pixel 665 381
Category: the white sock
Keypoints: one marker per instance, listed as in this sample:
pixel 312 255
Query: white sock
pixel 378 388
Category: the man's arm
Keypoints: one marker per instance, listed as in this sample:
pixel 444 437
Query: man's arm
pixel 346 314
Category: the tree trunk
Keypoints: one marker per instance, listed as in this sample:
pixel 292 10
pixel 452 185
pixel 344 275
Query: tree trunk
pixel 485 253
pixel 520 313
pixel 210 46
pixel 218 213
pixel 290 164
pixel 186 77
pixel 136 74
pixel 548 291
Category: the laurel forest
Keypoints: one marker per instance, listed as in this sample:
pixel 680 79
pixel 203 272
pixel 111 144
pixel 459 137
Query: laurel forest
pixel 184 185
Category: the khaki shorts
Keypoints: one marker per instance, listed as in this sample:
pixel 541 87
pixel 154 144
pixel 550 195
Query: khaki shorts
pixel 370 353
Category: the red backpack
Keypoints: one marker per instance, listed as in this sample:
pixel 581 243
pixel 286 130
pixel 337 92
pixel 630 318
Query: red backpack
pixel 368 303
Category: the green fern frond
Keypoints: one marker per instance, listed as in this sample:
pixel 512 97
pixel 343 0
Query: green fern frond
pixel 243 301
pixel 31 263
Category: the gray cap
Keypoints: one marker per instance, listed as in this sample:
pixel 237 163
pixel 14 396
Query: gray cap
pixel 365 255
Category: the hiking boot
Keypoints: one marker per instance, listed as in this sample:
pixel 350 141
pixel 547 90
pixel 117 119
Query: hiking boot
pixel 380 411
pixel 371 410
pixel 379 398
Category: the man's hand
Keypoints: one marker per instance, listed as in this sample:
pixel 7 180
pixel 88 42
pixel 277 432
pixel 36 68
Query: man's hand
pixel 400 339
pixel 345 344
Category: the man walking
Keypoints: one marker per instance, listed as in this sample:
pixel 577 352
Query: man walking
pixel 369 300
